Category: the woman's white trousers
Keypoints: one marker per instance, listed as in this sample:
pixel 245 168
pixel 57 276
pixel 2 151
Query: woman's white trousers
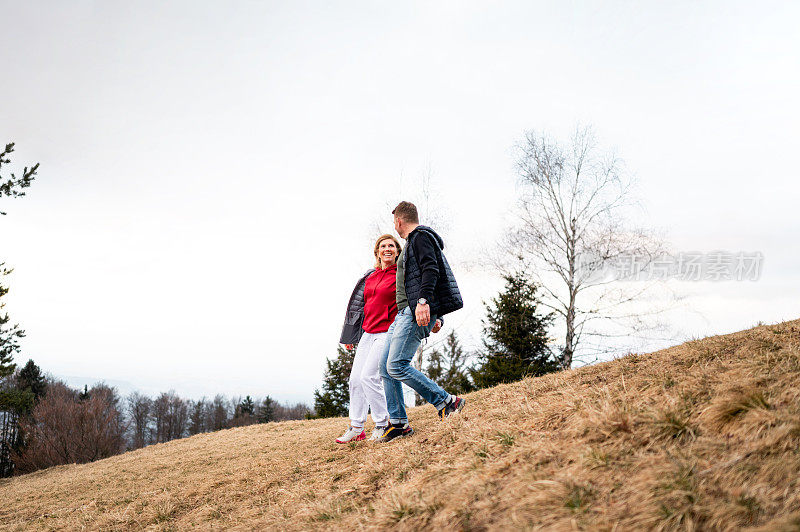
pixel 366 387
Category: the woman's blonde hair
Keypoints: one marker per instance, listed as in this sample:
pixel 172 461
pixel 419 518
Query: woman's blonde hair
pixel 378 245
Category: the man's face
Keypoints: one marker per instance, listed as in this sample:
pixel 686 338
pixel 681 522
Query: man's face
pixel 398 226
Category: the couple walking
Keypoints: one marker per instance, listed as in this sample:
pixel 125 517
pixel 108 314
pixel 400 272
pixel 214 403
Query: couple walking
pixel 393 308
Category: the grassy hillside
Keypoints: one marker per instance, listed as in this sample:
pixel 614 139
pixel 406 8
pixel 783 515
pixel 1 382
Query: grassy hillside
pixel 705 435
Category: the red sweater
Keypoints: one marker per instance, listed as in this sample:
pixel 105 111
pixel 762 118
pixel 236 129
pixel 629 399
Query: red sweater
pixel 380 300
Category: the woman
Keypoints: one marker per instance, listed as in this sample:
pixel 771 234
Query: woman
pixel 370 312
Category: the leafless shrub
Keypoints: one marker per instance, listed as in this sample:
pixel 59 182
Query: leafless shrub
pixel 65 429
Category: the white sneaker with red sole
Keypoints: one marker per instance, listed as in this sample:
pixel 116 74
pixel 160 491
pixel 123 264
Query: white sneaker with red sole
pixel 352 434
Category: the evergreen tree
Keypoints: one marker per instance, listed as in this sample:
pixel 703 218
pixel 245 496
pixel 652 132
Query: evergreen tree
pixel 13 401
pixel 7 365
pixel 334 398
pixel 266 412
pixel 13 186
pixel 85 394
pixel 515 336
pixel 246 407
pixel 30 379
pixel 10 335
pixel 448 367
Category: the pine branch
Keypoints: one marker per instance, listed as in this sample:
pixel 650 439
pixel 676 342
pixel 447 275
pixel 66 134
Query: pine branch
pixel 13 187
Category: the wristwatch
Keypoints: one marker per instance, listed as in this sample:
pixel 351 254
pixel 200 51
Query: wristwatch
pixel 422 301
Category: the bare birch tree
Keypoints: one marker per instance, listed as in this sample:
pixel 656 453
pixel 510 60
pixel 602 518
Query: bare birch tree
pixel 139 407
pixel 572 233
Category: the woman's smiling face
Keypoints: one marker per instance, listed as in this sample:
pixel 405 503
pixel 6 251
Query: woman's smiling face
pixel 387 252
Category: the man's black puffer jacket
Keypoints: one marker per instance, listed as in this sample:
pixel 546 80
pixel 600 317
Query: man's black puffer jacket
pixel 353 320
pixel 446 296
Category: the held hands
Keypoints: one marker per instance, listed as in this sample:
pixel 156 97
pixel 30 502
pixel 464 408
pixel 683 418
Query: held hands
pixel 437 326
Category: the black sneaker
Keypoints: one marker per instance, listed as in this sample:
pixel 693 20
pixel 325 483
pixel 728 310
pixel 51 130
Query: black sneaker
pixel 396 431
pixel 452 407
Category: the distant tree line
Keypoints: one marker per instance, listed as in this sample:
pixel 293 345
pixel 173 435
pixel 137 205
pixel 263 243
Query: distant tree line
pixel 169 417
pixel 52 424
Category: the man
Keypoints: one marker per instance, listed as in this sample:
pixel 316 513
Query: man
pixel 426 290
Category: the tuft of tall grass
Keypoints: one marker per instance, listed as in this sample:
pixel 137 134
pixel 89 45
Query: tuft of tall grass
pixel 596 458
pixel 749 506
pixel 579 496
pixel 731 406
pixel 678 497
pixel 165 511
pixel 506 438
pixel 674 424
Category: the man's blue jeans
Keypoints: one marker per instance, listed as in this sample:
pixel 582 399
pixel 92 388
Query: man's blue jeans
pixel 402 341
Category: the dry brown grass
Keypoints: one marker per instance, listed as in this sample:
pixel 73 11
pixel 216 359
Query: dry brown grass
pixel 701 436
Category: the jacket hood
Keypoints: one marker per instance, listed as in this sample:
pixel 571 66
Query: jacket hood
pixel 431 232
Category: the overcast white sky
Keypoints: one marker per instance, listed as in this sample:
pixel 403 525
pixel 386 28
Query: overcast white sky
pixel 211 172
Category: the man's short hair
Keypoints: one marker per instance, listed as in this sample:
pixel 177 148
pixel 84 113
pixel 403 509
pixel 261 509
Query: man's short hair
pixel 407 212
